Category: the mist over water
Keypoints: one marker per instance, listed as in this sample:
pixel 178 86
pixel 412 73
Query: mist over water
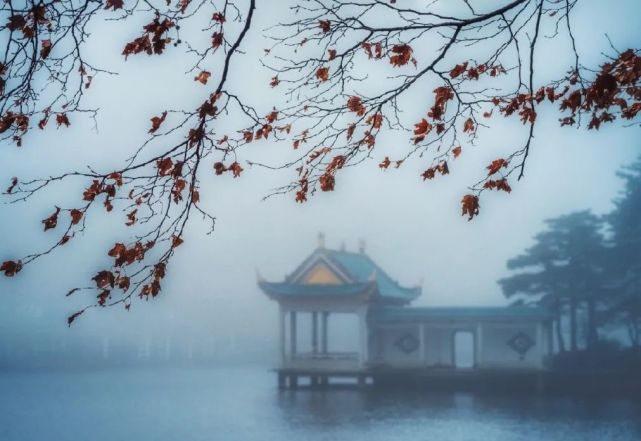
pixel 196 362
pixel 243 404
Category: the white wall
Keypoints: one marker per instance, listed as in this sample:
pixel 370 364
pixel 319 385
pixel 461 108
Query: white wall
pixel 438 340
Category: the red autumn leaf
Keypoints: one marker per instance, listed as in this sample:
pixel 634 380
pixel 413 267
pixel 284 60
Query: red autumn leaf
pixel 355 105
pixel 195 196
pixel 350 131
pixel 16 22
pixel 468 127
pixel 470 206
pixel 131 218
pixel 76 216
pixel 456 151
pixel 202 77
pixel 429 173
pixel 322 73
pixel 331 53
pixel 45 48
pixel 156 121
pixel 326 181
pixel 103 279
pixel 385 163
pixel 11 268
pixel 117 251
pixel 496 165
pixel 218 17
pixel 324 25
pixel 272 117
pixel 114 4
pixel 61 119
pixel 458 70
pixel 375 120
pixel 499 184
pixel 422 127
pixel 102 297
pixel 235 168
pixel 274 82
pixel 216 39
pixel 52 220
pixel 176 241
pixel 164 166
pixel 368 48
pixel 94 189
pixel 177 189
pixel 219 168
pixel 123 282
pixel 248 136
pixel 402 55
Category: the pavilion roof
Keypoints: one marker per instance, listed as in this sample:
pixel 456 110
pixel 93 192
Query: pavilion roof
pixel 356 274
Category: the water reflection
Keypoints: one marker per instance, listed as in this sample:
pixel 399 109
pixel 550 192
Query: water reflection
pixel 245 405
pixel 372 414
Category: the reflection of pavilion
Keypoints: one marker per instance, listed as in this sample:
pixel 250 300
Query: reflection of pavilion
pixel 391 337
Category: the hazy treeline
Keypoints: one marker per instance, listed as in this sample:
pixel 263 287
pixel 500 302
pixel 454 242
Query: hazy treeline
pixel 586 270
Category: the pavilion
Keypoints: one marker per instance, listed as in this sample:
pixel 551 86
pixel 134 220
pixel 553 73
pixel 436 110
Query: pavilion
pixel 394 337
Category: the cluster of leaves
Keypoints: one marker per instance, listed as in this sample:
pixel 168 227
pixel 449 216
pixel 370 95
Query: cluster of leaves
pixel 157 188
pixel 319 59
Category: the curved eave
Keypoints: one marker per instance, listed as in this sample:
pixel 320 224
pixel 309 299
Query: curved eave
pixel 400 296
pixel 287 290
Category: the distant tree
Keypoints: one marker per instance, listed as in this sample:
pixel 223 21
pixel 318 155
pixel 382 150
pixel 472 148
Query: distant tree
pixel 563 270
pixel 346 69
pixel 539 280
pixel 625 253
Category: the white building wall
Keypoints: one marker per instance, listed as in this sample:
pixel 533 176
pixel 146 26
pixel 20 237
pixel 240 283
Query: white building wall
pixel 498 354
pixel 393 355
pixel 438 349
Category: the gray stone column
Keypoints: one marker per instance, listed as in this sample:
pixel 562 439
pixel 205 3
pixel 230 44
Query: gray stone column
pixel 314 332
pixel 478 345
pixel 363 355
pixel 324 332
pixel 292 334
pixel 281 336
pixel 421 342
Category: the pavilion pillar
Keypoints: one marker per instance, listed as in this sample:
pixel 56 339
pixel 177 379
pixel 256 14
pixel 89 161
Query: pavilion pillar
pixel 292 334
pixel 478 346
pixel 281 335
pixel 314 333
pixel 324 320
pixel 421 342
pixel 550 342
pixel 364 339
pixel 539 343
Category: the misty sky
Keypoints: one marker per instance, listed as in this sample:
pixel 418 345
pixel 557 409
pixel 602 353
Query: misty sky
pixel 413 229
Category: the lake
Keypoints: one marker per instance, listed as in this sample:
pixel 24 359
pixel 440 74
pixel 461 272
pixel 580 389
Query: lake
pixel 230 404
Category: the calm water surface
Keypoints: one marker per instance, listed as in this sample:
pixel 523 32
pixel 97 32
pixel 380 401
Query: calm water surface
pixel 244 404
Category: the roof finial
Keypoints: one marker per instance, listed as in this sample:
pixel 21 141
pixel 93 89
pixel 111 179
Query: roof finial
pixel 321 240
pixel 361 246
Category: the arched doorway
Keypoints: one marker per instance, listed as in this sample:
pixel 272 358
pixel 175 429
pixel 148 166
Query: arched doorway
pixel 463 350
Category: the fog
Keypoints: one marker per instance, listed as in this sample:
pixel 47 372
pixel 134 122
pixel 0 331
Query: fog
pixel 210 309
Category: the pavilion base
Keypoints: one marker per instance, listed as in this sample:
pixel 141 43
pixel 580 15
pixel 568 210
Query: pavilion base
pixel 490 381
pixel 455 379
pixel 289 378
